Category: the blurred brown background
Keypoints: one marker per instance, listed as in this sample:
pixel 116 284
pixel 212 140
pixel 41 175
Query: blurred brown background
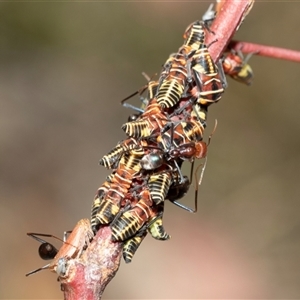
pixel 64 69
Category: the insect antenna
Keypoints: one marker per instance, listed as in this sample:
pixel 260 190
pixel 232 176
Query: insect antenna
pixel 37 270
pixel 46 250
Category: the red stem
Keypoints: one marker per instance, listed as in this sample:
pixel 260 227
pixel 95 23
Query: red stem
pixel 269 51
pixel 230 15
pixel 88 276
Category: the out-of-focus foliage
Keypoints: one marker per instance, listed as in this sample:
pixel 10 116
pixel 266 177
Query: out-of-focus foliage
pixel 64 67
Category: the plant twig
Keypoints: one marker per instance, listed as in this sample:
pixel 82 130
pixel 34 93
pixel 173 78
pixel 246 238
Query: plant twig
pixel 226 23
pixel 263 50
pixel 89 275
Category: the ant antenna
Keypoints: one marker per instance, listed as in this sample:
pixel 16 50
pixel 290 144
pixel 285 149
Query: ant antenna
pixel 210 136
pixel 37 270
pixel 46 250
pixel 199 182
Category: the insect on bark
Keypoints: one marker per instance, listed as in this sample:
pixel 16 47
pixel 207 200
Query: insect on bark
pixel 72 248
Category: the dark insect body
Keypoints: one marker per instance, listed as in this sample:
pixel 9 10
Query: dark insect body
pixel 72 248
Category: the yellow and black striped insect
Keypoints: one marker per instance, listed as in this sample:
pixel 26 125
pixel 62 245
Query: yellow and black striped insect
pixel 174 79
pixel 112 158
pixel 194 35
pixel 134 224
pixel 106 208
pixel 192 63
pixel 210 80
pixel 154 227
pixel 159 185
pixel 131 246
pixel 237 67
pixel 151 122
pixel 144 213
pixel 132 220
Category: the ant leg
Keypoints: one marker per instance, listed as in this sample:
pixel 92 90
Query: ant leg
pixel 191 172
pixel 140 92
pixel 214 41
pixel 196 188
pixel 206 25
pixel 183 188
pixel 37 270
pixel 128 105
pixel 34 235
pixel 147 77
pixel 179 110
pixel 172 145
pixel 209 15
pixel 184 207
pixel 199 182
pixel 189 78
pixel 210 136
pixel 179 171
pixel 222 74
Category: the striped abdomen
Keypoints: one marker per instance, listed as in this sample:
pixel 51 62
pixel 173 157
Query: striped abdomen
pixel 101 193
pixel 145 127
pixel 131 221
pixel 183 133
pixel 169 93
pixel 207 77
pixel 157 230
pixel 131 246
pixel 194 35
pixel 109 160
pixel 173 80
pixel 112 158
pixel 140 128
pixel 121 181
pixel 159 185
pixel 193 130
pixel 199 114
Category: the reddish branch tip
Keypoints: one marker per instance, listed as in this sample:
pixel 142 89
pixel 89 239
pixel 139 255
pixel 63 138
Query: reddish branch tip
pixel 264 50
pixel 88 275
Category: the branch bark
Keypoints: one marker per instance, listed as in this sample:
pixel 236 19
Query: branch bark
pixel 263 50
pixel 88 275
pixel 231 14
